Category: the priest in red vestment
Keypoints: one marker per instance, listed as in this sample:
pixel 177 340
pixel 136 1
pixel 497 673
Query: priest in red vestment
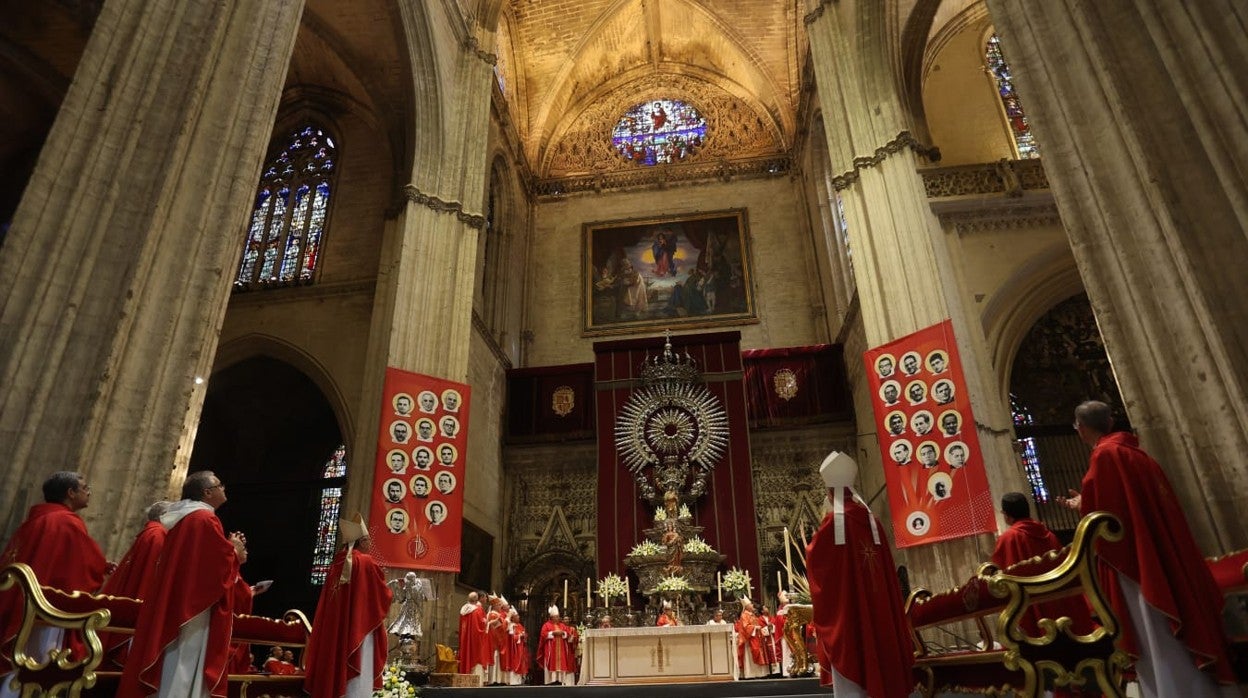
pixel 518 659
pixel 54 542
pixel 182 637
pixel 862 637
pixel 667 617
pixel 127 580
pixel 347 651
pixel 1156 577
pixel 474 643
pixel 496 629
pixel 751 657
pixel 555 652
pixel 1025 539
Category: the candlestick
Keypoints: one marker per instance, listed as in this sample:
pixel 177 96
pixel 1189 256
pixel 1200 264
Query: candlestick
pixel 628 595
pixel 719 585
pixel 788 555
pixel 565 595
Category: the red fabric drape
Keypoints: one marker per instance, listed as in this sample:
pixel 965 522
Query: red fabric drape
pixel 727 510
pixel 819 390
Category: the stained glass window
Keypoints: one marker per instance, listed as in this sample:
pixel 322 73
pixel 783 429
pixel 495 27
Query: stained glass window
pixel 288 222
pixel 843 229
pixel 659 132
pixel 327 524
pixel 1027 451
pixel 1024 141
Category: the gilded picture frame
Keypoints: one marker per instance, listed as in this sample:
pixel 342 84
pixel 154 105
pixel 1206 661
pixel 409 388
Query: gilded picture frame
pixel 687 271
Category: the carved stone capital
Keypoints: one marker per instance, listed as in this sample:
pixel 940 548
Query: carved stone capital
pixel 434 203
pixel 905 139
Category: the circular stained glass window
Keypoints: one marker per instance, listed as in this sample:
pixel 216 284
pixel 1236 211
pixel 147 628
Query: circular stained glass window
pixel 659 132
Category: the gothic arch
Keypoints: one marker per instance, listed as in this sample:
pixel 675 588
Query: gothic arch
pixel 425 93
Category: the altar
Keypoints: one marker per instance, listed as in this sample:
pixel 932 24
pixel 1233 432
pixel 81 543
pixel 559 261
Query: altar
pixel 682 654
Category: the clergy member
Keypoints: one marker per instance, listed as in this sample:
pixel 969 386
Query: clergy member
pixel 1160 587
pixel 54 542
pixel 751 659
pixel 127 580
pixel 783 654
pixel 182 636
pixel 667 616
pixel 1027 538
pixel 717 618
pixel 518 660
pixel 862 637
pixel 347 650
pixel 554 651
pixel 496 634
pixel 474 644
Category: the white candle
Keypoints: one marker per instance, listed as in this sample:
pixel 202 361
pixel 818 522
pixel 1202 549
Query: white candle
pixel 719 586
pixel 565 596
pixel 588 599
pixel 779 586
pixel 628 595
pixel 788 555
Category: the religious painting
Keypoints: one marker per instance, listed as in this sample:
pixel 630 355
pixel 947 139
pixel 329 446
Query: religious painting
pixel 684 270
pixel 933 466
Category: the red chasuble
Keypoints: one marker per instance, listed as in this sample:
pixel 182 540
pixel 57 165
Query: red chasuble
pixel 1157 551
pixel 518 651
pixel 127 580
pixel 666 620
pixel 1024 540
pixel 240 661
pixel 345 615
pixel 496 624
pixel 860 629
pixel 54 541
pixel 749 634
pixel 195 573
pixel 474 645
pixel 555 654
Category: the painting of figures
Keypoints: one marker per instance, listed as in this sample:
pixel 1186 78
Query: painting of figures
pixel 665 272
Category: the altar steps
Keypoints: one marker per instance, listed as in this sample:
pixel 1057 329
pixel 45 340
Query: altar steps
pixel 760 688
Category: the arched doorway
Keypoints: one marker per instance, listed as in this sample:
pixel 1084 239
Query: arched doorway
pixel 1060 363
pixel 268 431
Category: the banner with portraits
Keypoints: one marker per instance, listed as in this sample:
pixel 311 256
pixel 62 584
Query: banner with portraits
pixel 937 485
pixel 418 484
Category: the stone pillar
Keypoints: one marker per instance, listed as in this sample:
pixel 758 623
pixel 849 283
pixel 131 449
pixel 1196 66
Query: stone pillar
pixel 422 309
pixel 118 265
pixel 906 277
pixel 1138 107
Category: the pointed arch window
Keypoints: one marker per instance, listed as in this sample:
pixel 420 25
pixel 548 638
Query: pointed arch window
pixel 335 476
pixel 1020 128
pixel 1027 451
pixel 287 227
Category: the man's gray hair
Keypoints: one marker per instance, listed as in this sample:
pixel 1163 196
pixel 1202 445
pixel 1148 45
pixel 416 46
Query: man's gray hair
pixel 196 483
pixel 157 510
pixel 1096 416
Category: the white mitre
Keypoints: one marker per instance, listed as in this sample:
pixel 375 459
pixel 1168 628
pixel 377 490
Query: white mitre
pixel 839 472
pixel 552 611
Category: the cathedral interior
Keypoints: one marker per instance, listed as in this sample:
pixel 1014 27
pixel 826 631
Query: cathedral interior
pixel 223 222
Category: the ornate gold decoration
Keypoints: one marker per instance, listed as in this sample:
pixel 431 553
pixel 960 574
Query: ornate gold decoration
pixel 634 177
pixel 1008 177
pixel 794 626
pixel 735 129
pixel 904 140
pixel 563 400
pixel 784 382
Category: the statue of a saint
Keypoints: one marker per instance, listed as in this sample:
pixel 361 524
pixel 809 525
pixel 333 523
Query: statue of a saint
pixel 409 593
pixel 675 545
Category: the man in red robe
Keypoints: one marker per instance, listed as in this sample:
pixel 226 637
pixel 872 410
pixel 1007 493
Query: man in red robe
pixel 1025 539
pixel 767 630
pixel 667 617
pixel 751 657
pixel 862 637
pixel 54 542
pixel 518 659
pixel 182 636
pixel 347 651
pixel 474 644
pixel 1156 577
pixel 496 629
pixel 555 652
pixel 783 654
pixel 135 568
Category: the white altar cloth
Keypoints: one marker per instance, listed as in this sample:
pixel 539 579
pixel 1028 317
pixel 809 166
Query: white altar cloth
pixel 682 654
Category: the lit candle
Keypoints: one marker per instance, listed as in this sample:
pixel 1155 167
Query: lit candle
pixel 788 556
pixel 719 585
pixel 565 595
pixel 628 595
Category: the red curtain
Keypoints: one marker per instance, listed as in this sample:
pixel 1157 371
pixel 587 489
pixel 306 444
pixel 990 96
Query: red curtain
pixel 727 510
pixel 796 385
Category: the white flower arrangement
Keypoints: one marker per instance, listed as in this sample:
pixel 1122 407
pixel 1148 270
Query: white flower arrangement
pixel 736 581
pixel 394 684
pixel 697 545
pixel 684 512
pixel 610 586
pixel 674 583
pixel 660 514
pixel 646 548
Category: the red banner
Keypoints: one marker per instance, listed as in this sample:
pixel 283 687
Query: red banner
pixel 416 517
pixel 937 486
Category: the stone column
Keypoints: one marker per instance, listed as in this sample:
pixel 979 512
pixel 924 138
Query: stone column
pixel 118 265
pixel 1138 106
pixel 906 277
